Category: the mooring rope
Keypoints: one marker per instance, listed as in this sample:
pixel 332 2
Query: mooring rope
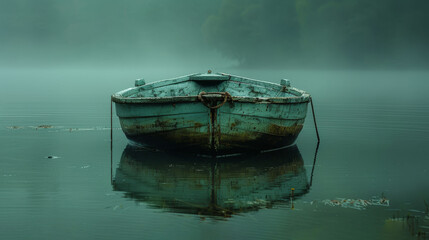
pixel 314 119
pixel 318 141
pixel 111 141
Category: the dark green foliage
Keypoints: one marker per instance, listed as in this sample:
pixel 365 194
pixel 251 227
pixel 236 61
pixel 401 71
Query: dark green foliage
pixel 293 33
pixel 305 32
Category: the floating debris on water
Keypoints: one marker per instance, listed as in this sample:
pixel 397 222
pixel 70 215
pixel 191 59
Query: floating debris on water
pixel 87 129
pixel 86 166
pixel 417 225
pixel 63 128
pixel 359 204
pixel 416 211
pixel 14 127
pixel 44 126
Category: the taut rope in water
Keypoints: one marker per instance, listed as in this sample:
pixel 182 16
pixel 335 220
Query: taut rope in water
pixel 111 141
pixel 314 119
pixel 318 141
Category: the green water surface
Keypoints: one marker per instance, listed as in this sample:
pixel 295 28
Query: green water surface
pixel 374 129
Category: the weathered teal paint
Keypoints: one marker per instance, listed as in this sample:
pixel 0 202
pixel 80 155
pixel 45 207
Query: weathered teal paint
pixel 170 114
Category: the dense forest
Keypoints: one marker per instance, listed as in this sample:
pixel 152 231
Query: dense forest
pixel 253 33
pixel 361 33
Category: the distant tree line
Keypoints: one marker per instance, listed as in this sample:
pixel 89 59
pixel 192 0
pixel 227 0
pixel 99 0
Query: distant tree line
pixel 361 33
pixel 278 33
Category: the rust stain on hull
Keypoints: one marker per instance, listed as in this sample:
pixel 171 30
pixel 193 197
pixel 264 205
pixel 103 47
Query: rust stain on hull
pixel 193 141
pixel 213 132
pixel 278 130
pixel 181 139
pixel 210 139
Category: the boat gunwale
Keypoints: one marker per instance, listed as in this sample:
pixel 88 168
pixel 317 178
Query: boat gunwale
pixel 180 99
pixel 120 97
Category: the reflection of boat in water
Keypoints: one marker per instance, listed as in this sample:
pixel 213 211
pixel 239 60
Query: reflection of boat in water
pixel 220 186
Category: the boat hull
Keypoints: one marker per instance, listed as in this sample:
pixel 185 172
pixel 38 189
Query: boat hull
pixel 192 127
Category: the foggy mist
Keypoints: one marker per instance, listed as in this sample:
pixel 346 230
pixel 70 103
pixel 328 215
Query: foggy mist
pixel 67 169
pixel 242 33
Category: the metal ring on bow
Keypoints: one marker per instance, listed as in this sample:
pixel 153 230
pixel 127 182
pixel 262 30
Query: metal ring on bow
pixel 226 96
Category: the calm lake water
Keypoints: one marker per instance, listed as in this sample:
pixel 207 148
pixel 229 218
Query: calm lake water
pixel 370 179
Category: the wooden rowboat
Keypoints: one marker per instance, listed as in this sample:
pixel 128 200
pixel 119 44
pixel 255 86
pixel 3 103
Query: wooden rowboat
pixel 212 113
